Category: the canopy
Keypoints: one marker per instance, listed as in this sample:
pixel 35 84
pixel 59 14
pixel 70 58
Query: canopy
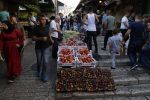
pixel 70 5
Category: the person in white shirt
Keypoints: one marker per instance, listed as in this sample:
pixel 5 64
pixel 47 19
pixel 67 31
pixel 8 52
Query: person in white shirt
pixel 32 20
pixel 54 34
pixel 124 23
pixel 114 47
pixel 91 29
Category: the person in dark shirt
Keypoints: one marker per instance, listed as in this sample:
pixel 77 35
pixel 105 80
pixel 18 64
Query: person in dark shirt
pixel 61 21
pixel 135 30
pixel 79 21
pixel 145 54
pixel 132 17
pixel 71 22
pixel 42 47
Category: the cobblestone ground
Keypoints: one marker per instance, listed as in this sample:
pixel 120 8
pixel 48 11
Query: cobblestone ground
pixel 27 86
pixel 130 85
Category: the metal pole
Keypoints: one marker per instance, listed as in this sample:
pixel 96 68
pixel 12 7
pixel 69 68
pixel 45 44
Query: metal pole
pixel 56 7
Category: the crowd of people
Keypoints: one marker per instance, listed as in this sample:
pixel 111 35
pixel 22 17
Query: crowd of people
pixel 47 33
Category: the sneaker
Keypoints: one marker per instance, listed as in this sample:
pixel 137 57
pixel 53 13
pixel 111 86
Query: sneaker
pixel 117 52
pixel 103 49
pixel 11 81
pixel 113 67
pixel 44 79
pixel 134 67
pixel 38 74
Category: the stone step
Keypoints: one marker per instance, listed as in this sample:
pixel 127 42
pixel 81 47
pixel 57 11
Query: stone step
pixel 107 56
pixel 122 71
pixel 123 76
pixel 132 80
pixel 142 90
pixel 108 62
pixel 118 98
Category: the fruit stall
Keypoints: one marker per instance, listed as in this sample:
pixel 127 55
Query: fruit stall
pixel 76 69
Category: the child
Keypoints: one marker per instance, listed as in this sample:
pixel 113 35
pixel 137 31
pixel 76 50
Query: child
pixel 114 47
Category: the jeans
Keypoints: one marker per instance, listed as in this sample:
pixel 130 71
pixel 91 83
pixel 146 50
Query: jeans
pixel 79 27
pixel 91 34
pixel 113 57
pixel 123 31
pixel 134 52
pixel 108 34
pixel 43 58
pixel 55 48
pixel 145 56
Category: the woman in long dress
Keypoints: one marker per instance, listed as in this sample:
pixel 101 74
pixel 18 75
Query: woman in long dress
pixel 10 42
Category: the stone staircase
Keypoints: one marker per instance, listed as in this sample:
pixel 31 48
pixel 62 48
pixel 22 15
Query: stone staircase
pixel 130 85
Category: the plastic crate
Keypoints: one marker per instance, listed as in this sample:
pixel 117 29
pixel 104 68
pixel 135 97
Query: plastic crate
pixel 62 65
pixel 81 55
pixel 90 64
pixel 60 54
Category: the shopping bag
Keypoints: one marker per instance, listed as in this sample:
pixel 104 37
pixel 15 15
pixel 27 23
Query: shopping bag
pixel 122 50
pixel 60 36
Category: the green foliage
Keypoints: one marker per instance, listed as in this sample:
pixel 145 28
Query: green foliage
pixel 32 7
pixel 46 7
pixel 23 15
pixel 30 2
pixel 69 34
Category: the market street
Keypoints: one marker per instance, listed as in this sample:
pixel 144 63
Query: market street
pixel 29 87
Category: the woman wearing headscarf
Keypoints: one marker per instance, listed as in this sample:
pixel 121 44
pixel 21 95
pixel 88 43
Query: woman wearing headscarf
pixel 11 40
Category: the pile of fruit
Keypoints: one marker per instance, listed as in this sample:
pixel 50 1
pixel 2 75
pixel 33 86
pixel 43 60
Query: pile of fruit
pixel 77 49
pixel 84 79
pixel 66 51
pixel 71 42
pixel 80 57
pixel 82 76
pixel 83 51
pixel 86 59
pixel 67 59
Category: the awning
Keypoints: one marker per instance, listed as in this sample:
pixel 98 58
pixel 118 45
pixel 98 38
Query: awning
pixel 54 1
pixel 70 5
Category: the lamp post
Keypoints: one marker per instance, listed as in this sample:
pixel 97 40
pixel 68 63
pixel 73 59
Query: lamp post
pixel 56 7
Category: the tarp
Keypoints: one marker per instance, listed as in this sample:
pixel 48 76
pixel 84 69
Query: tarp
pixel 69 5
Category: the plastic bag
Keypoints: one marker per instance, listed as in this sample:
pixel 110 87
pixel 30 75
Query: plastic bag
pixel 122 50
pixel 1 58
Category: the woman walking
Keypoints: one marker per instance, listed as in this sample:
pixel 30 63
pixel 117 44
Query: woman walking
pixel 10 42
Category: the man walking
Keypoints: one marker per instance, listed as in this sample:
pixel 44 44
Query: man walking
pixel 136 41
pixel 54 34
pixel 111 21
pixel 124 23
pixel 42 48
pixel 91 30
